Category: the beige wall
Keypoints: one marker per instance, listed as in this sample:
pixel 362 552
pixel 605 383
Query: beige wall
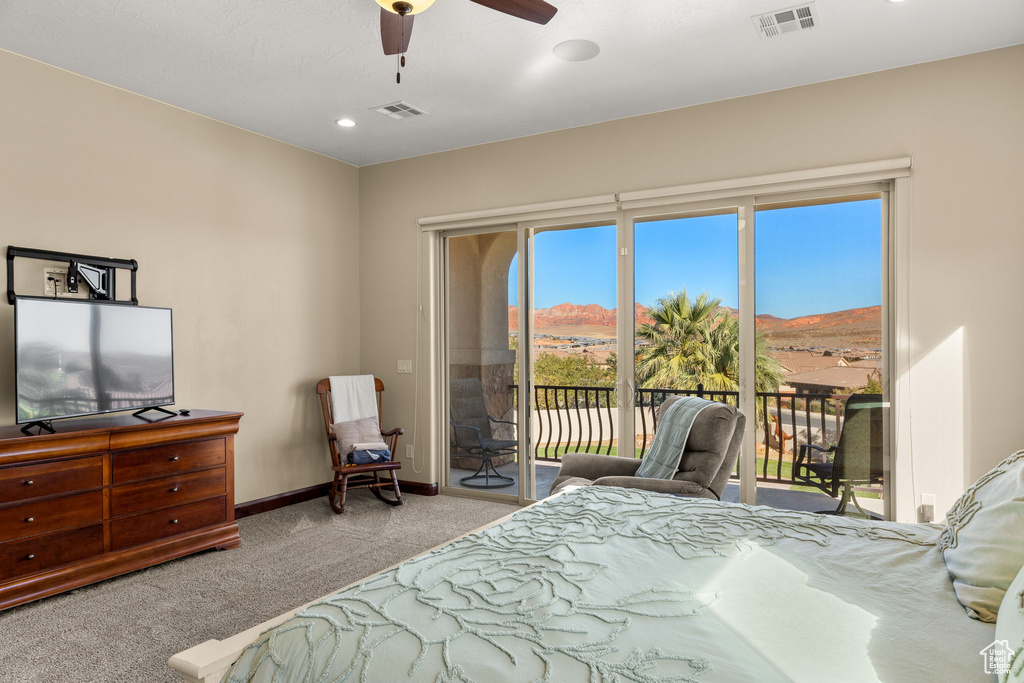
pixel 259 246
pixel 252 242
pixel 960 120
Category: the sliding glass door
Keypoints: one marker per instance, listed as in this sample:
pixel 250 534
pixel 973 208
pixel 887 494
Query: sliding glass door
pixel 686 314
pixel 568 337
pixel 822 385
pixel 573 346
pixel 481 363
pixel 538 297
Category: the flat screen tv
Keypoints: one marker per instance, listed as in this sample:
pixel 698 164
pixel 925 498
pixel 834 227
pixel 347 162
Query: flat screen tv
pixel 75 358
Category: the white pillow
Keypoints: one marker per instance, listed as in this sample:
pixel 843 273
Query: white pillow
pixel 983 542
pixel 1010 630
pixel 358 435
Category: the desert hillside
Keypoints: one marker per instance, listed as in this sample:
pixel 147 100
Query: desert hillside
pixel 853 328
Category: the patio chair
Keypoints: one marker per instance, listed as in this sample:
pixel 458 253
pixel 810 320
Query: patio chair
pixel 362 476
pixel 855 461
pixel 471 434
pixel 705 466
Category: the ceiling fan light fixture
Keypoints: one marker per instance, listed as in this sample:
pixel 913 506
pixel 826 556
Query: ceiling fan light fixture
pixel 416 5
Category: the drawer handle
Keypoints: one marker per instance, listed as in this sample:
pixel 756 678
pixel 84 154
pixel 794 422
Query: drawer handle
pixel 29 520
pixel 30 557
pixel 174 490
pixel 173 459
pixel 29 482
pixel 174 521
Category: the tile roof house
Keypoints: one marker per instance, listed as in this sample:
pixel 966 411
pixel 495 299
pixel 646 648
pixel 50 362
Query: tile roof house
pixel 838 380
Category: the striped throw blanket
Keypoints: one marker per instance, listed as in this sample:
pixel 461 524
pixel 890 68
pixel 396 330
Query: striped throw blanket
pixel 662 460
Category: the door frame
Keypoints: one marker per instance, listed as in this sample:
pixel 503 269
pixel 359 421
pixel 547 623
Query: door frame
pixel 894 174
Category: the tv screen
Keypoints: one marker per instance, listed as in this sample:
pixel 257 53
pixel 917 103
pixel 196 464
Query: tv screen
pixel 82 357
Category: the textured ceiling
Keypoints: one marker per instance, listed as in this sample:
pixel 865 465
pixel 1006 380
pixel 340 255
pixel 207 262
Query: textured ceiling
pixel 289 68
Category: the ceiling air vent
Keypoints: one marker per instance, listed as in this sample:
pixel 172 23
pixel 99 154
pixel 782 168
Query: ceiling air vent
pixel 399 110
pixel 789 20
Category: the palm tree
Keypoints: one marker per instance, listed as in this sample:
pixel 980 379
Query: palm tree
pixel 697 342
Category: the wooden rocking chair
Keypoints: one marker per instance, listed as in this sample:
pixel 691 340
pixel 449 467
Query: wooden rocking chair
pixel 363 476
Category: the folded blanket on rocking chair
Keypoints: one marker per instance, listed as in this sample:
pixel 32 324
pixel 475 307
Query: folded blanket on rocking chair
pixel 368 457
pixel 359 441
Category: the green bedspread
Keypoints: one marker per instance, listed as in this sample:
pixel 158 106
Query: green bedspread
pixel 609 584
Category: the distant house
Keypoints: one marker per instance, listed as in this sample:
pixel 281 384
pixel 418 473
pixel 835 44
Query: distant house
pixel 834 380
pixel 796 362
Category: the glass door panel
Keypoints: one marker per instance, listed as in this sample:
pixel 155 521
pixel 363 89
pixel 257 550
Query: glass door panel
pixel 686 317
pixel 819 278
pixel 481 363
pixel 573 345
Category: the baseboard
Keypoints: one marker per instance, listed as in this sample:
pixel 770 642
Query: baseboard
pixel 280 500
pixel 419 488
pixel 254 507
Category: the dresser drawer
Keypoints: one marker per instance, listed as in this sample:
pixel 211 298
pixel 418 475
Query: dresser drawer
pixel 38 553
pixel 35 481
pixel 165 460
pixel 159 493
pixel 129 531
pixel 42 516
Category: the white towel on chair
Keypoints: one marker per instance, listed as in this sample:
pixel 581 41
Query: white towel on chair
pixel 353 397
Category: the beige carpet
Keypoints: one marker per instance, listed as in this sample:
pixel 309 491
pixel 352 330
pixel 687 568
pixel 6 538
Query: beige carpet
pixel 124 629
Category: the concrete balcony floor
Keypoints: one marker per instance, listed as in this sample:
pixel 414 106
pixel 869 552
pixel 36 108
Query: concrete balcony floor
pixel 771 494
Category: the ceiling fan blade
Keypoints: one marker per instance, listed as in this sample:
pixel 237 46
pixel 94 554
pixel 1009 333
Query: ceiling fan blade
pixel 395 31
pixel 537 11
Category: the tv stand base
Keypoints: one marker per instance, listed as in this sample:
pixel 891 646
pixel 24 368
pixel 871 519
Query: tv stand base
pixel 43 425
pixel 157 408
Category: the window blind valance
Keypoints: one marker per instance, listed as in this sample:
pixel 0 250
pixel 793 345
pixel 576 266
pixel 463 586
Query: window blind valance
pixel 791 181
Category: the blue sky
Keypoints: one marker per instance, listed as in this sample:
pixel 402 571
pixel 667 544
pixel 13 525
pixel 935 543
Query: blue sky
pixel 809 260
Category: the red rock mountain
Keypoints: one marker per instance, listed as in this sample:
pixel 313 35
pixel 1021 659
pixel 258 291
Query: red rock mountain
pixel 574 315
pixel 853 327
pixel 854 317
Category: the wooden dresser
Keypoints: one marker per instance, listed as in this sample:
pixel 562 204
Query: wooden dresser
pixel 109 495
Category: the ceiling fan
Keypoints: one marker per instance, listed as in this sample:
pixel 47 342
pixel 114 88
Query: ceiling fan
pixel 396 19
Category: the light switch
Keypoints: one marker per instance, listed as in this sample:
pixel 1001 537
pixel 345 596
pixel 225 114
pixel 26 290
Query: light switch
pixel 405 367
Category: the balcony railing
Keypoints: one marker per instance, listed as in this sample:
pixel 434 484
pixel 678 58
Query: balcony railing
pixel 566 419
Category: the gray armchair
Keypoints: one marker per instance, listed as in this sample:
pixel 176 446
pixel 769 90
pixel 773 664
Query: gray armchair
pixel 707 461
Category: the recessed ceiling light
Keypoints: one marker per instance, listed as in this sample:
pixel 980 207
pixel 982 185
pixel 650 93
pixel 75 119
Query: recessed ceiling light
pixel 894 0
pixel 576 50
pixel 346 123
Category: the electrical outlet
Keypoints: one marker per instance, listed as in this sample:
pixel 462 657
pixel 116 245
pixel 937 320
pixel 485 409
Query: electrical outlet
pixel 410 453
pixel 927 511
pixel 405 367
pixel 55 281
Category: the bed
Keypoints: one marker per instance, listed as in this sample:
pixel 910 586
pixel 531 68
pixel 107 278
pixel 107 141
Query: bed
pixel 613 584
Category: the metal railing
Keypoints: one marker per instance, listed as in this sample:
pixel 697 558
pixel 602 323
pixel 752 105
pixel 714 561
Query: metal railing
pixel 579 418
pixel 794 420
pixel 561 413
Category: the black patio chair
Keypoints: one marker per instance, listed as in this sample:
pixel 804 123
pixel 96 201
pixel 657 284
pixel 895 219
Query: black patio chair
pixel 471 434
pixel 857 460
